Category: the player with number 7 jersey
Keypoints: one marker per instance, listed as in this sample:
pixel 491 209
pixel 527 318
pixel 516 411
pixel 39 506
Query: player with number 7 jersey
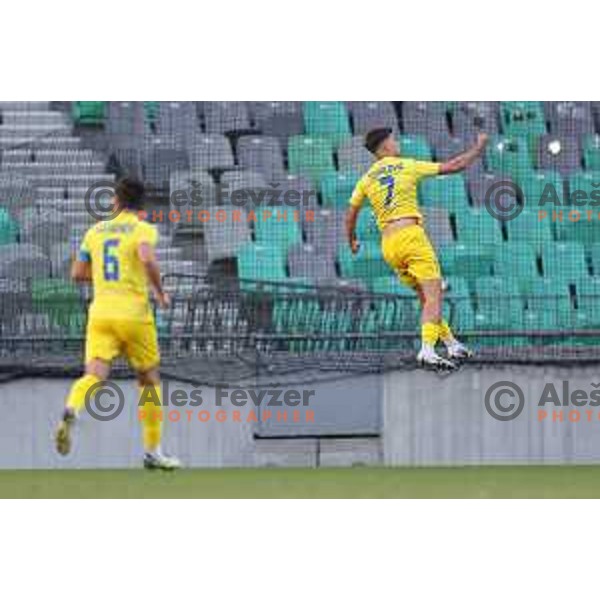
pixel 117 255
pixel 390 184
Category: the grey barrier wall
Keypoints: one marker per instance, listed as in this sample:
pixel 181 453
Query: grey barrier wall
pixel 433 421
pixel 423 420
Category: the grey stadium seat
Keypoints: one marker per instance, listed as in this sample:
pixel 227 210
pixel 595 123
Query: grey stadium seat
pixel 222 117
pixel 126 122
pixel 211 151
pixel 243 184
pixel 369 115
pixel 305 261
pixel 479 182
pixel 223 239
pixel 23 261
pixel 469 118
pixel 301 186
pixel 327 231
pixel 424 118
pixel 559 152
pixel 437 225
pixel 570 118
pixel 44 228
pixel 261 153
pixel 177 119
pixel 353 156
pixel 260 112
pixel 160 159
pixel 191 190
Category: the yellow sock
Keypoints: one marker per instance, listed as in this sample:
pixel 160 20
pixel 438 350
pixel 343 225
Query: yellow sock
pixel 429 334
pixel 151 415
pixel 79 391
pixel 446 334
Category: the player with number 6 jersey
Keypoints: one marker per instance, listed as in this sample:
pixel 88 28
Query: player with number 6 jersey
pixel 117 255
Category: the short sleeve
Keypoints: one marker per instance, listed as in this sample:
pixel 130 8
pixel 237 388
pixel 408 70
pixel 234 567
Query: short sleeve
pixel 426 169
pixel 85 254
pixel 358 195
pixel 147 234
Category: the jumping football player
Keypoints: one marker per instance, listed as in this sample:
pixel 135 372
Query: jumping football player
pixel 118 257
pixel 391 186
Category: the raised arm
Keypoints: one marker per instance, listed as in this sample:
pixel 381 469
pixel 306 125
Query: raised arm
pixel 466 159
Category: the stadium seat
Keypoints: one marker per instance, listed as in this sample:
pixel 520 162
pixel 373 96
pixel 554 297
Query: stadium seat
pixel 540 188
pixel 365 265
pixel 246 189
pixel 224 238
pixel 328 120
pixel 261 262
pixel 262 154
pixel 438 227
pixel 337 188
pixel 587 294
pixel 445 191
pixel 353 156
pixel 61 301
pixel 508 155
pixel 564 262
pixel 550 301
pixel 20 261
pixel 177 120
pixel 530 227
pixel 280 229
pixel 225 117
pixel 211 151
pixel 371 115
pixel 570 118
pixel 517 262
pixel 467 262
pixel 591 152
pixel 559 153
pixel 306 262
pixel 470 118
pixel 89 113
pixel 523 118
pixel 310 156
pixel 8 228
pixel 477 228
pixel 366 226
pixel 326 231
pixel 424 118
pixel 414 146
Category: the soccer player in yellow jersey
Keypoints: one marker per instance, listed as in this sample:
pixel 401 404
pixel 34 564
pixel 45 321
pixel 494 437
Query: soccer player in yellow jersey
pixel 118 257
pixel 391 186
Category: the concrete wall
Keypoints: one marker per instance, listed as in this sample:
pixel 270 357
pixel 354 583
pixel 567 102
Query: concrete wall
pixel 423 420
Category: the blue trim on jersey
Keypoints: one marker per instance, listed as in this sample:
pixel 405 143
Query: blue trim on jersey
pixel 84 256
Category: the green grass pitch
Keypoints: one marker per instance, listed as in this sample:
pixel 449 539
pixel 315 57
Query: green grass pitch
pixel 465 482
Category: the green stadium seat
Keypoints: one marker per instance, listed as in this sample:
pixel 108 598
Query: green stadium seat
pixel 151 110
pixel 327 120
pixel 478 228
pixel 310 156
pixel 516 262
pixel 366 226
pixel 564 262
pixel 415 146
pixel 468 262
pixel 549 307
pixel 9 230
pixel 591 152
pixel 61 301
pixel 523 118
pixel 531 229
pixel 594 254
pixel 499 295
pixel 509 155
pixel 89 113
pixel 534 185
pixel 588 298
pixel 458 309
pixel 444 191
pixel 366 265
pixel 390 284
pixel 279 230
pixel 337 188
pixel 262 262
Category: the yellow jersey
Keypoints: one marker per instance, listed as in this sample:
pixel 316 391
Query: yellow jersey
pixel 391 186
pixel 118 275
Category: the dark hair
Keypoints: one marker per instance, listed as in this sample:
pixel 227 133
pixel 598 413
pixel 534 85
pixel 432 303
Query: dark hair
pixel 375 137
pixel 130 193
